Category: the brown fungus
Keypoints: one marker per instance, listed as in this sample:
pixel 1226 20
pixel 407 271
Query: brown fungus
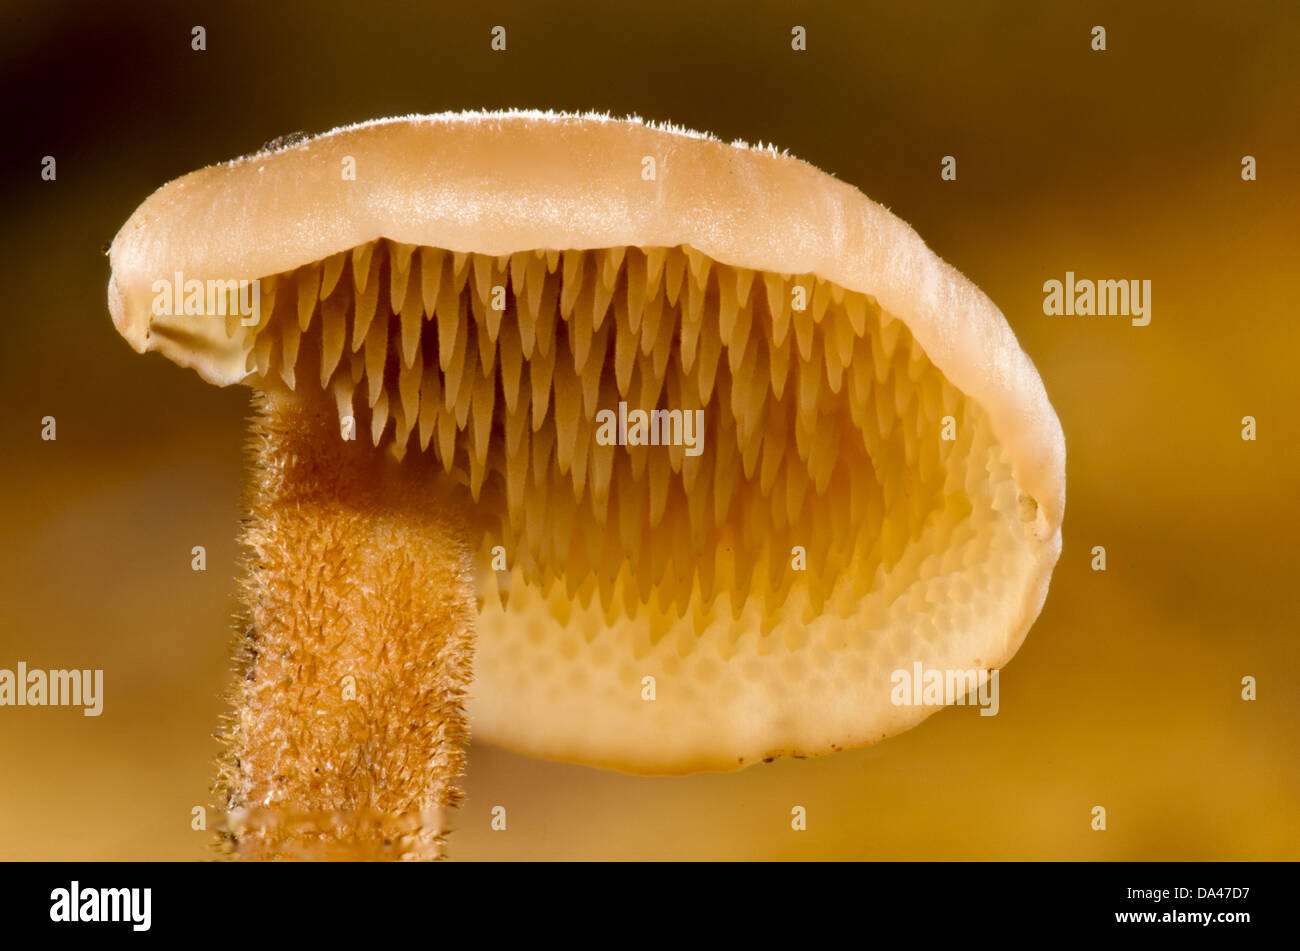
pixel 878 480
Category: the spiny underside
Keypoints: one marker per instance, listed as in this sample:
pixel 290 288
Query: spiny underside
pixel 848 500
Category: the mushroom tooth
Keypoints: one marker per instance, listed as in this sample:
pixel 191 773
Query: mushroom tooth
pixel 662 348
pixel 728 308
pixel 342 390
pixel 548 316
pixel 778 305
pixel 532 279
pixel 460 269
pixel 916 362
pixel 807 394
pixel 517 459
pixel 633 294
pixel 447 316
pixel 611 262
pixel 581 331
pixel 334 329
pixel 581 453
pixel 631 504
pixel 432 268
pixel 487 349
pixel 357 367
pixel 834 364
pixel 409 378
pixel 269 290
pixel 484 399
pixel 931 405
pixel 740 331
pixel 753 390
pixel 331 271
pixel 477 462
pixel 401 431
pixel 656 311
pixel 493 314
pixel 773 447
pixel 821 461
pixel 777 502
pixel 511 357
pixel 929 458
pixel 904 396
pixel 821 298
pixel 749 454
pixel 543 441
pixel 796 484
pixel 571 284
pixel 698 265
pixel 527 314
pixel 890 331
pixel 601 297
pixel 541 371
pixel 689 338
pixel 846 339
pixel 400 257
pixel 483 268
pixel 290 336
pixel 593 372
pixel 803 332
pixel 378 417
pixel 601 460
pixel 674 271
pixel 452 358
pixel 880 359
pixel 430 403
pixel 376 356
pixel 552 256
pixel 658 473
pixel 465 393
pixel 446 439
pixel 655 259
pixel 778 364
pixel 367 302
pixel 568 407
pixel 726 468
pixel 309 289
pixel 260 357
pixel 744 282
pixel 411 319
pixel 516 427
pixel 707 361
pixel 362 261
pixel 698 471
pixel 626 343
pixel 855 309
pixel 651 382
pixel 805 431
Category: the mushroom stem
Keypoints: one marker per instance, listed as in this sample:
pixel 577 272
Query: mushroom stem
pixel 349 724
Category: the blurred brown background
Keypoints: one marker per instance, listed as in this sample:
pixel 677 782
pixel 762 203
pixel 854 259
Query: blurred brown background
pixel 1122 164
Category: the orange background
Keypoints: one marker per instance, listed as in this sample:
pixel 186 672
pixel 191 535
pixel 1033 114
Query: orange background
pixel 1122 164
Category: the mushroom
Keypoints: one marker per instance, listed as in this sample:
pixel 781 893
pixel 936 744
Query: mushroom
pixel 880 480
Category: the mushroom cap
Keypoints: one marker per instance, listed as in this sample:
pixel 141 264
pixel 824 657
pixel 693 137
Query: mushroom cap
pixel 507 182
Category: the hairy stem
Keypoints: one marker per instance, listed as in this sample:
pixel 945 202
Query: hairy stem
pixel 349 728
